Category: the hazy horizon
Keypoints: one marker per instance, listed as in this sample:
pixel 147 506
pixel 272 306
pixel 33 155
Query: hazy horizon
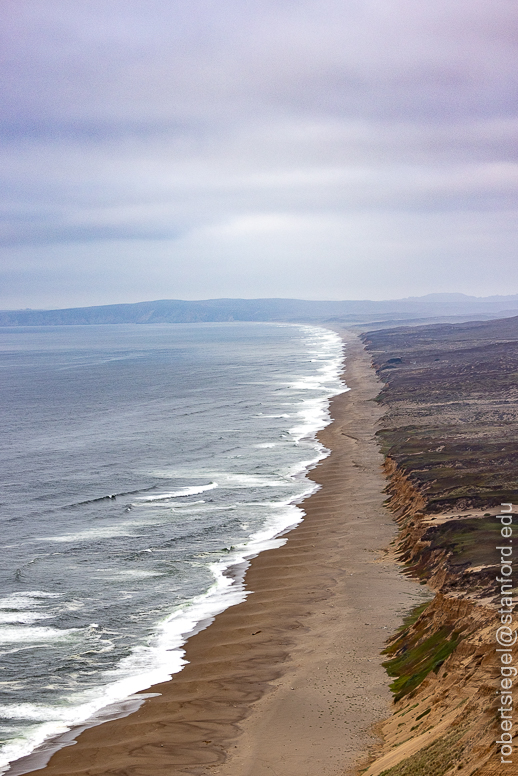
pixel 446 295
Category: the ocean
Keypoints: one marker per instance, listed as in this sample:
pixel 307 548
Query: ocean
pixel 142 467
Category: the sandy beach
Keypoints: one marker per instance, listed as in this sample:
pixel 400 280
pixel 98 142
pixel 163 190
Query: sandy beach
pixel 289 682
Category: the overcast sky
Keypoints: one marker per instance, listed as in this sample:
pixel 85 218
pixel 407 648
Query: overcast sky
pixel 319 149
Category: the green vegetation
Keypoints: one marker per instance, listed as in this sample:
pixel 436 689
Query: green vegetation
pixel 434 760
pixel 413 654
pixel 458 544
pixel 471 541
pixel 415 663
pixel 413 616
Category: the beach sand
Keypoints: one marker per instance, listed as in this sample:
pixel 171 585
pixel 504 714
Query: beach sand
pixel 289 682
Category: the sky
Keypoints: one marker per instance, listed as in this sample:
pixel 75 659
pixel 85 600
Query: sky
pixel 315 149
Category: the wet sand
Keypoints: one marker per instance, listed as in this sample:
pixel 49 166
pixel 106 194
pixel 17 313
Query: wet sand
pixel 289 682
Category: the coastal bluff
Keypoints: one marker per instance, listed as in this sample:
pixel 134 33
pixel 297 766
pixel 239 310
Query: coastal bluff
pixel 448 437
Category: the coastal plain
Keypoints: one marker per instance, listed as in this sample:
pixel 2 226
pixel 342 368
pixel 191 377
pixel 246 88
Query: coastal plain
pixel 290 680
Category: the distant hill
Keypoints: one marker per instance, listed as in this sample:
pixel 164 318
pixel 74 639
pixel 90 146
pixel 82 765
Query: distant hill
pixel 289 310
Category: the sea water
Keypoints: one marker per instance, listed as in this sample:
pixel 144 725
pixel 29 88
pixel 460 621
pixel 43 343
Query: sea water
pixel 140 464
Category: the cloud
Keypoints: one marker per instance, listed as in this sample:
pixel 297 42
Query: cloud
pixel 345 136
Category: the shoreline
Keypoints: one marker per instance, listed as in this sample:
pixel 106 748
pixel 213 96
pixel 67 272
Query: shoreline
pixel 289 681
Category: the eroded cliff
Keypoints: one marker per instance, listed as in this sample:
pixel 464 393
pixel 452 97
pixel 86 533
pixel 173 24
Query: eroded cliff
pixel 449 444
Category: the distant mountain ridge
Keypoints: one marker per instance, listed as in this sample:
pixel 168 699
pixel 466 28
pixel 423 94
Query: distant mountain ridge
pixel 287 310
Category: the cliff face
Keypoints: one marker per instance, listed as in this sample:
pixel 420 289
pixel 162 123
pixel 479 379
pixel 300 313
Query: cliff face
pixel 442 662
pixel 446 671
